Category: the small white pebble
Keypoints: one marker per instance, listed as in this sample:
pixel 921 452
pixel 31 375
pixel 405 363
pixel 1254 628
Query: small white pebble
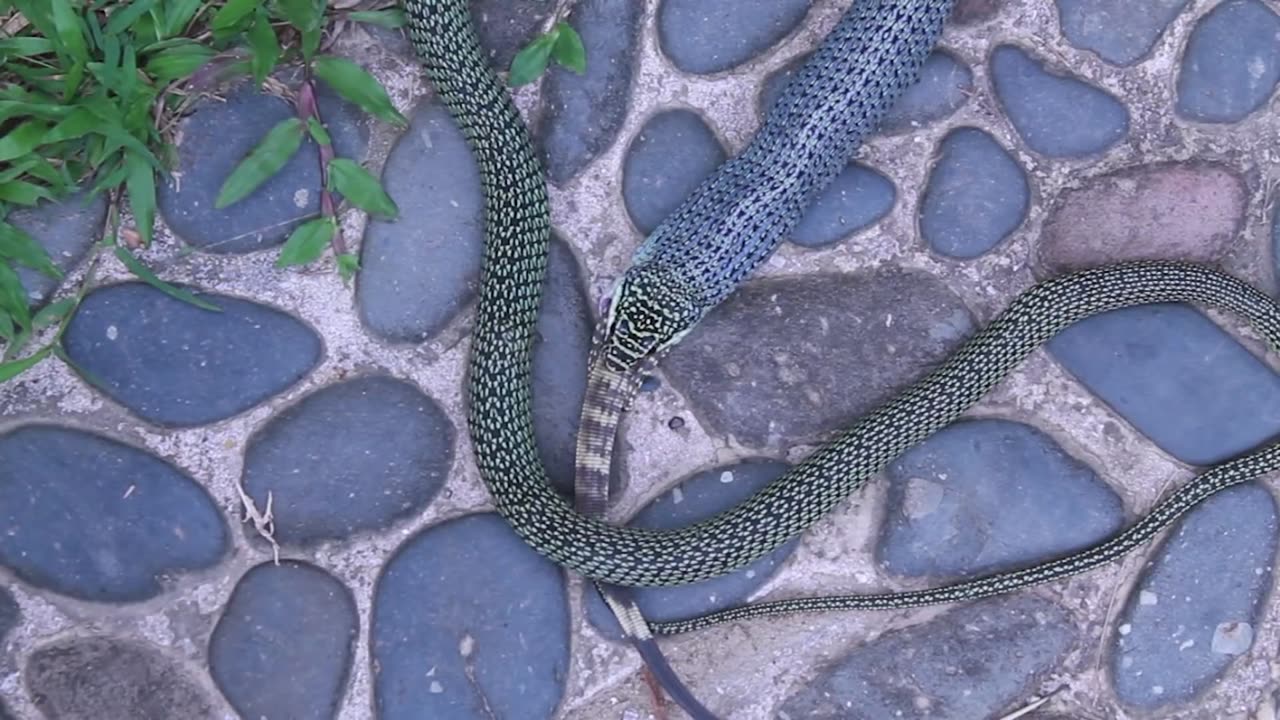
pixel 1187 644
pixel 436 687
pixel 1157 689
pixel 726 476
pixel 1125 629
pixel 677 496
pixel 1232 638
pixel 1146 597
pixel 113 332
pixel 466 646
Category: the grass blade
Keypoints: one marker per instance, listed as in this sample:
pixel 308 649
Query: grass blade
pixel 12 369
pixel 141 182
pixel 142 271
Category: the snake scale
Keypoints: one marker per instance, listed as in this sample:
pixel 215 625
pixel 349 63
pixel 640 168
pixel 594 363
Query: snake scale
pixel 696 259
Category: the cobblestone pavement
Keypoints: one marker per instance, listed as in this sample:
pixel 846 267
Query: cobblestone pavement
pixel 1043 136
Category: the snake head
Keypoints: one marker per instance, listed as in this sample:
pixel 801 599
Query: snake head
pixel 647 313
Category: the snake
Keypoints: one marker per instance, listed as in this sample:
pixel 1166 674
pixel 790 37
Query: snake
pixel 695 259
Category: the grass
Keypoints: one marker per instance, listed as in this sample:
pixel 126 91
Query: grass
pixel 91 94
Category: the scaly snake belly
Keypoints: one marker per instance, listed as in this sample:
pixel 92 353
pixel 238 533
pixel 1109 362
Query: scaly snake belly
pixel 717 258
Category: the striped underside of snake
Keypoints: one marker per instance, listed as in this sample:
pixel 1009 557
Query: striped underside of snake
pixel 662 297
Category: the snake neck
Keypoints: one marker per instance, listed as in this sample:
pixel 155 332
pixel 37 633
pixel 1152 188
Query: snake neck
pixel 737 217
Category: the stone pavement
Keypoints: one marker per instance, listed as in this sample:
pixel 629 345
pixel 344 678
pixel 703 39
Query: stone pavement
pixel 1044 136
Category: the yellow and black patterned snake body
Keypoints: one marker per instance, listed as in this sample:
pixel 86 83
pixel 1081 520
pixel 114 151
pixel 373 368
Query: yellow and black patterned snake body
pixel 646 316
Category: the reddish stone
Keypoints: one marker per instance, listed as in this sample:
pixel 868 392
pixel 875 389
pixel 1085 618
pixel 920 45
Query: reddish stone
pixel 1165 211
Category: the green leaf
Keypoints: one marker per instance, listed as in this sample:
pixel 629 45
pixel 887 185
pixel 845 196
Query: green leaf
pixel 178 62
pixel 20 192
pixel 362 189
pixel 142 271
pixel 530 62
pixel 178 13
pixel 7 330
pixel 302 14
pixel 122 20
pixel 53 313
pixel 79 123
pixel 264 46
pixel 318 131
pixel 13 297
pixel 141 182
pixel 307 242
pixel 22 139
pixel 230 15
pixel 348 265
pixel 568 50
pixel 19 246
pixel 389 18
pixel 71 30
pixel 356 85
pixel 25 46
pixel 14 368
pixel 265 160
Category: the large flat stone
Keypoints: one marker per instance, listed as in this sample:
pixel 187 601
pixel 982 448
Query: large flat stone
pixel 971 662
pixel 1177 377
pixel 988 495
pixel 469 622
pixel 350 458
pixel 823 350
pixel 99 520
pixel 1201 601
pixel 284 644
pixel 1169 211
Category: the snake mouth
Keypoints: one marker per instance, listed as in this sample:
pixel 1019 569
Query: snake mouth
pixel 610 391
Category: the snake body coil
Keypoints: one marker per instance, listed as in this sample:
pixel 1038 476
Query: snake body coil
pixel 513 271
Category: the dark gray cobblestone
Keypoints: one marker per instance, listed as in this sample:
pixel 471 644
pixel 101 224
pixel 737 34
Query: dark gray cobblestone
pixel 179 365
pixel 1196 608
pixel 1191 211
pixel 1119 32
pixel 1056 114
pixel 670 155
pixel 990 495
pixel 444 629
pixel 96 519
pixel 969 663
pixel 977 195
pixel 1232 64
pixel 389 451
pixel 824 352
pixel 1173 373
pixel 66 230
pixel 217 137
pixel 710 36
pixel 284 644
pixel 98 677
pixel 585 112
pixel 421 270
